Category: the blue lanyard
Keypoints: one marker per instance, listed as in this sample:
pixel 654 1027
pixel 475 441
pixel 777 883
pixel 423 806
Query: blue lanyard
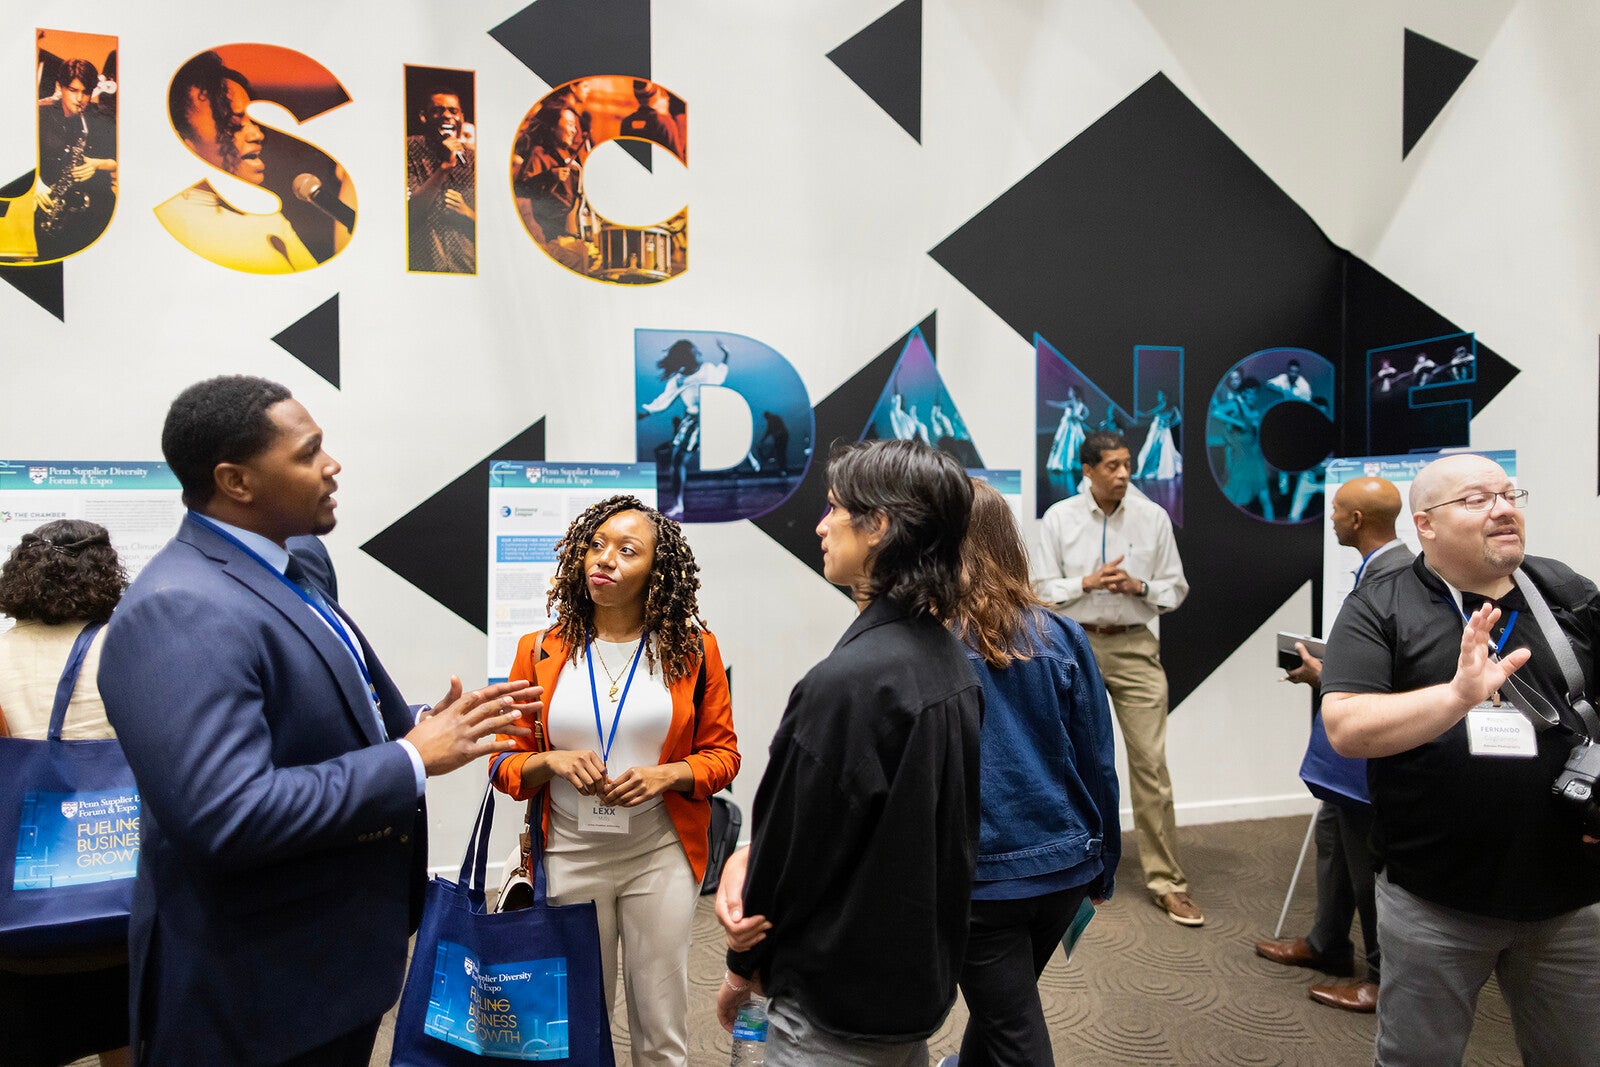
pixel 305 595
pixel 1364 561
pixel 1104 518
pixel 594 694
pixel 1511 624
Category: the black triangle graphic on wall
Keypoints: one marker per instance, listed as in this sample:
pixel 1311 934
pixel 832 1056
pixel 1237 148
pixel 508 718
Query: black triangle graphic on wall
pixel 44 285
pixel 885 62
pixel 560 40
pixel 313 339
pixel 441 546
pixel 1433 73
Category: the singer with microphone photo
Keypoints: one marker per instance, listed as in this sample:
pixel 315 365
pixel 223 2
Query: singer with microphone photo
pixel 441 173
pixel 209 103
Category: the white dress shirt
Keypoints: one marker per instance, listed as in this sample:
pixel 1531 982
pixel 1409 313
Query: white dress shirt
pixel 1077 538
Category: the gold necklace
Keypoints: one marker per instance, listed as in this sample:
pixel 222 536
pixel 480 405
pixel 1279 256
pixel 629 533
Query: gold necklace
pixel 616 679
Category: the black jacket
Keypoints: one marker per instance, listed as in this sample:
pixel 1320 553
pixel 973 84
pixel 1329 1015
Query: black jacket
pixel 866 827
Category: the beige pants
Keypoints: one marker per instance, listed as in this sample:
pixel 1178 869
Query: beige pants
pixel 1131 665
pixel 645 895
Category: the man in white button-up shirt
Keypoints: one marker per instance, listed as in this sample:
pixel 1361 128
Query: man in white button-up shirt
pixel 1109 561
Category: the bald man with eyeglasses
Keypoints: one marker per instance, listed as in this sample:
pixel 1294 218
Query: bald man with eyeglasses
pixel 1441 675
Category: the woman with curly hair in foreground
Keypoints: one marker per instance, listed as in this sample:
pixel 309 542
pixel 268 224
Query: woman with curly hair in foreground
pixel 638 735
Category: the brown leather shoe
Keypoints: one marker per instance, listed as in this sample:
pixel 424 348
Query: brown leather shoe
pixel 1180 909
pixel 1358 996
pixel 1299 953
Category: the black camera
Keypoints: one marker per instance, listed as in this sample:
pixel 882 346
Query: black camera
pixel 1576 783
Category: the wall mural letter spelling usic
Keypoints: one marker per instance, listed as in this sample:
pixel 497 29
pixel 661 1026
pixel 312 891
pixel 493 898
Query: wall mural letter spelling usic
pixel 677 375
pixel 441 171
pixel 553 144
pixel 73 191
pixel 208 102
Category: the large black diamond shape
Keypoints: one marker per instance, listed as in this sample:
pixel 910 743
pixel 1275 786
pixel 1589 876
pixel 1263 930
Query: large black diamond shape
pixel 441 546
pixel 1152 227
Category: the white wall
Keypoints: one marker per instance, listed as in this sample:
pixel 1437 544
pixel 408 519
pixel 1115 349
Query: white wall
pixel 811 217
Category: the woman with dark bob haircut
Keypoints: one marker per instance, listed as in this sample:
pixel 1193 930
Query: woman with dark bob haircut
pixel 866 820
pixel 1049 835
pixel 637 735
pixel 62 577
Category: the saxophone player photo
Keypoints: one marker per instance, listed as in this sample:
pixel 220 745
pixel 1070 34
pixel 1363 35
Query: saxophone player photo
pixel 76 188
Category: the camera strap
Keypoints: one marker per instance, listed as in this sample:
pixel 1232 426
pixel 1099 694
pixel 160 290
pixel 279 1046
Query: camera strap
pixel 1561 647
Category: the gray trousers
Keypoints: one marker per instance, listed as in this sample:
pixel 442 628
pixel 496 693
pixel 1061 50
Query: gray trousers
pixel 1436 959
pixel 793 1040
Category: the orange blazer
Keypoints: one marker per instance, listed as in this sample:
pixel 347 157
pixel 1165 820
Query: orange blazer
pixel 711 750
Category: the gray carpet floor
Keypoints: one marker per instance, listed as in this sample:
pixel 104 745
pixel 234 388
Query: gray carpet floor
pixel 1142 990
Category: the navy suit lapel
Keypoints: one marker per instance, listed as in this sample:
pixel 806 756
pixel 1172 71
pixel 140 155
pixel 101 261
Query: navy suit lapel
pixel 396 712
pixel 266 585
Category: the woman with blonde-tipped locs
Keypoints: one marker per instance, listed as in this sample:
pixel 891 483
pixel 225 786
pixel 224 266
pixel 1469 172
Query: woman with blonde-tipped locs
pixel 638 734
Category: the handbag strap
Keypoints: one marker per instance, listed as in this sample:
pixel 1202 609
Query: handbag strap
pixel 531 841
pixel 533 856
pixel 475 863
pixel 1561 646
pixel 69 678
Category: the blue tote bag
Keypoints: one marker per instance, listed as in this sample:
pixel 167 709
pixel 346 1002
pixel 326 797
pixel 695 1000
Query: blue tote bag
pixel 514 985
pixel 69 826
pixel 1330 776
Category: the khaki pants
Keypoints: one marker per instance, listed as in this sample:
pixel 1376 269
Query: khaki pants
pixel 645 894
pixel 1131 665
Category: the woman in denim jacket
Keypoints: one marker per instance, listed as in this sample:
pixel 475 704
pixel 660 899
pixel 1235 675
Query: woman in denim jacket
pixel 1049 835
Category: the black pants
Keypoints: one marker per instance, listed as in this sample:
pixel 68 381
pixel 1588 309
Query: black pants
pixel 1345 883
pixel 48 1019
pixel 1009 942
pixel 352 1050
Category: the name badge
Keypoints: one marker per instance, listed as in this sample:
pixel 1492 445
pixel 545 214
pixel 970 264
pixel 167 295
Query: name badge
pixel 1493 731
pixel 597 818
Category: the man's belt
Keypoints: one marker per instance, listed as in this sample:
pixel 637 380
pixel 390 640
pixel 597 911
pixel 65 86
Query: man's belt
pixel 1109 631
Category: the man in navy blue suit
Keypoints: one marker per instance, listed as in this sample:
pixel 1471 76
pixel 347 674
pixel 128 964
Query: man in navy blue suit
pixel 281 772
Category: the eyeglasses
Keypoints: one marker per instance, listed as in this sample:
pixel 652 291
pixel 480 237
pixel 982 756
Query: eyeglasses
pixel 1517 498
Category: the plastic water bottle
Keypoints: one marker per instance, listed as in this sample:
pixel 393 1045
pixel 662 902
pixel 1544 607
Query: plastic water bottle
pixel 750 1034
